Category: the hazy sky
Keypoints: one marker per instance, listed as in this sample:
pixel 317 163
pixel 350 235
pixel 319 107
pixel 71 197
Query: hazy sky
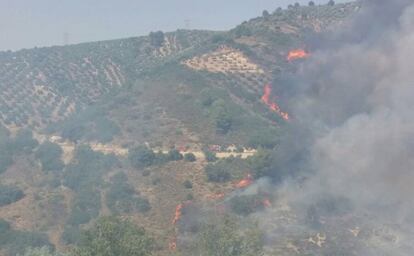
pixel 29 23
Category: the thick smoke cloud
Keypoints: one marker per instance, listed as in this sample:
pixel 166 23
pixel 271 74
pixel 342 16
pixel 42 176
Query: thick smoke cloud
pixel 352 104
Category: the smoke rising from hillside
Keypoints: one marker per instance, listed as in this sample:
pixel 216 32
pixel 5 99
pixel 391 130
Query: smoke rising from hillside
pixel 352 104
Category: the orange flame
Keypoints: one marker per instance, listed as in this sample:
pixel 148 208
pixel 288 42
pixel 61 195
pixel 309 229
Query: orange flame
pixel 178 213
pixel 273 105
pixel 245 182
pixel 297 54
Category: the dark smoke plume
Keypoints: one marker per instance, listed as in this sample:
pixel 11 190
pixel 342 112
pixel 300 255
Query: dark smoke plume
pixel 353 134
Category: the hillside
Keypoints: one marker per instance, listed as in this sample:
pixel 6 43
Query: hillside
pixel 98 129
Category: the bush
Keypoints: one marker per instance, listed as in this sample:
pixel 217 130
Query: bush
pixel 141 156
pixel 189 197
pixel 6 158
pixel 50 155
pixel 246 204
pixel 217 173
pixel 226 236
pixel 13 242
pixel 24 141
pixel 187 184
pixel 157 39
pixel 86 206
pixel 261 163
pixel 210 156
pixel 71 234
pixel 221 116
pixel 264 138
pixel 175 155
pixel 122 197
pixel 87 168
pixel 190 157
pixel 10 194
pixel 41 251
pixel 111 236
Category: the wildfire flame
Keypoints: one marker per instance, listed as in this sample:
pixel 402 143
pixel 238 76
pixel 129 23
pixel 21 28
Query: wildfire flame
pixel 297 54
pixel 245 182
pixel 273 105
pixel 178 213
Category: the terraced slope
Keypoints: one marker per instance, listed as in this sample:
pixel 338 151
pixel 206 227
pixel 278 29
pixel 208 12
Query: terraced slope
pixel 46 85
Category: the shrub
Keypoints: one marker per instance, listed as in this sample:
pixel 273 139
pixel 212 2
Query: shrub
pixel 187 184
pixel 10 194
pixel 122 197
pixel 87 168
pixel 13 242
pixel 174 155
pixel 246 204
pixel 50 155
pixel 112 236
pixel 217 173
pixel 261 163
pixel 6 158
pixel 141 156
pixel 210 156
pixel 41 251
pixel 263 138
pixel 24 141
pixel 157 38
pixel 87 205
pixel 190 157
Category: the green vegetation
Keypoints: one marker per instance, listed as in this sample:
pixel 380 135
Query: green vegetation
pixel 190 157
pixel 6 156
pixel 86 206
pixel 137 91
pixel 174 155
pixel 14 242
pixel 261 163
pixel 9 194
pixel 84 176
pixel 24 141
pixel 41 251
pixel 49 155
pixel 157 38
pixel 87 168
pixel 226 169
pixel 187 184
pixel 123 198
pixel 114 237
pixel 210 156
pixel 224 236
pixel 246 204
pixel 91 124
pixel 141 156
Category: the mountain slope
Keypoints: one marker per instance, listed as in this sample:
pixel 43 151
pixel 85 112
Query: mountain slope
pixel 189 90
